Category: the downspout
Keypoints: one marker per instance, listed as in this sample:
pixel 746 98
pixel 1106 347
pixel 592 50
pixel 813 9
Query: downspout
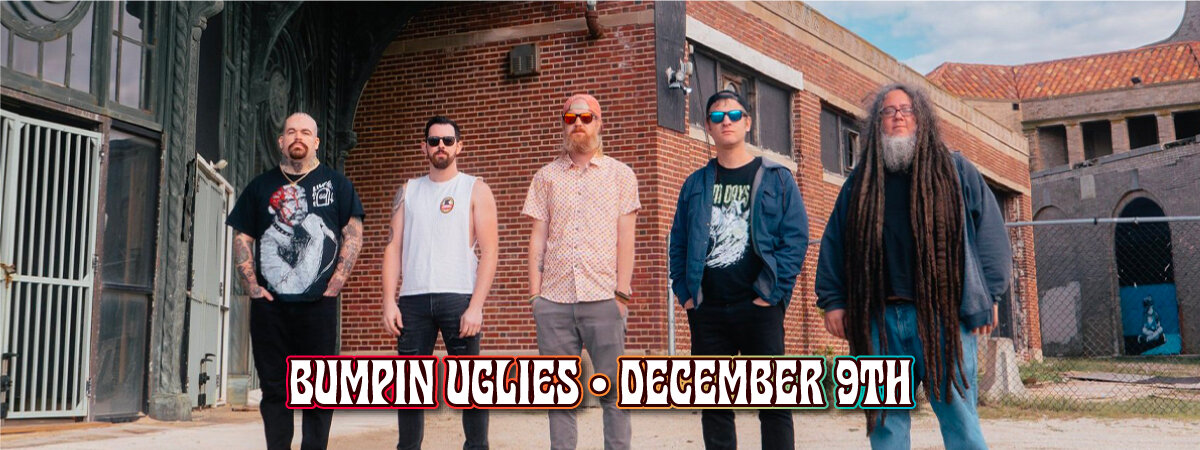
pixel 592 17
pixel 670 306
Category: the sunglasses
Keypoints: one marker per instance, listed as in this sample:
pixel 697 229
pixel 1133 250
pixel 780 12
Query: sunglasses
pixel 719 116
pixel 449 141
pixel 586 118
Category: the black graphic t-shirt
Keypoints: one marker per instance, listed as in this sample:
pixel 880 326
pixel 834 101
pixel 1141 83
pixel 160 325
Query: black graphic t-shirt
pixel 297 229
pixel 731 265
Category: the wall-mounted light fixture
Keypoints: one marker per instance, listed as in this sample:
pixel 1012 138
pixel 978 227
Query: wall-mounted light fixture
pixel 677 79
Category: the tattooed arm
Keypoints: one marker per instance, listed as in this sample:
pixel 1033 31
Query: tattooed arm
pixel 351 244
pixel 243 254
pixel 392 265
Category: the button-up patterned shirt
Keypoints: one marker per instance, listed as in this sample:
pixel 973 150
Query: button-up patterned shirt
pixel 581 206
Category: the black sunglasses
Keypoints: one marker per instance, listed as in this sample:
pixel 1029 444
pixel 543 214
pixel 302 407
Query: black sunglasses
pixel 449 141
pixel 719 116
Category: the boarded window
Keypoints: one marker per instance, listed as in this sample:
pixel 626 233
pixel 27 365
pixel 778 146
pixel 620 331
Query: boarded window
pixel 774 118
pixel 839 141
pixel 1052 141
pixel 769 103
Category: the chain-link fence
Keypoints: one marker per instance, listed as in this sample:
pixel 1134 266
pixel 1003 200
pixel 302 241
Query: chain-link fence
pixel 1118 317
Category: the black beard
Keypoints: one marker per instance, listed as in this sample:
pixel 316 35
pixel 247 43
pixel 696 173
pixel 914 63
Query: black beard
pixel 441 164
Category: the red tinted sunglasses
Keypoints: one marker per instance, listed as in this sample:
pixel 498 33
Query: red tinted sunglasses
pixel 586 118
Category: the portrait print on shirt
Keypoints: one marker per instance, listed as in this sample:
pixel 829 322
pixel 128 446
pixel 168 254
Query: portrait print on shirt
pixel 297 228
pixel 298 248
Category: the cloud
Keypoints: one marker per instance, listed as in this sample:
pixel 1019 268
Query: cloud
pixel 926 34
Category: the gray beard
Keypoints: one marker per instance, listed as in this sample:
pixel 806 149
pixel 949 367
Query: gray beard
pixel 898 153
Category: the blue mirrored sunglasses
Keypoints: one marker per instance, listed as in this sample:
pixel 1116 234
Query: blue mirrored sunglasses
pixel 719 116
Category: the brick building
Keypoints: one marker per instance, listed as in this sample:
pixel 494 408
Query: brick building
pixel 1111 135
pixel 168 109
pixel 806 79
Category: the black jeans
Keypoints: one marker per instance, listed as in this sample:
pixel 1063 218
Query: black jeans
pixel 751 330
pixel 423 317
pixel 279 329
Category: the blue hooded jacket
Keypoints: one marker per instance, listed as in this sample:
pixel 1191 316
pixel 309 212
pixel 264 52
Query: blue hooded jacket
pixel 778 232
pixel 987 254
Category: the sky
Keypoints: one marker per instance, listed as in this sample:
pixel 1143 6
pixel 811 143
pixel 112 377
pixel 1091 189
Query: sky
pixel 926 34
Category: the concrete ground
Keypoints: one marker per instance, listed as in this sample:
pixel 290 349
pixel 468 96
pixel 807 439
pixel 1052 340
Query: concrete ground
pixel 360 430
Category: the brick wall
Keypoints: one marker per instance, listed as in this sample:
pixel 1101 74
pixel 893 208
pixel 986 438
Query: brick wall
pixel 805 329
pixel 511 129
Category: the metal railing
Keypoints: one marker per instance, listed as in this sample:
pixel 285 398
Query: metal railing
pixel 1117 301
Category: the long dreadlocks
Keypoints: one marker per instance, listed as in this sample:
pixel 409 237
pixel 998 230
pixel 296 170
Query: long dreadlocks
pixel 936 214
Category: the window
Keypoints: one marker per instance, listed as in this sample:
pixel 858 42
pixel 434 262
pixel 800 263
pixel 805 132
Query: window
pixel 1097 139
pixel 1187 124
pixel 131 212
pixel 770 103
pixel 1052 141
pixel 839 141
pixel 1143 131
pixel 133 41
pixel 50 41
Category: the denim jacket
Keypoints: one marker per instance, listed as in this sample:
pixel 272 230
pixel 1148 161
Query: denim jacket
pixel 987 254
pixel 778 232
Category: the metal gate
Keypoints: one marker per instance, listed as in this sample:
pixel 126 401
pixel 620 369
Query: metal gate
pixel 47 247
pixel 208 314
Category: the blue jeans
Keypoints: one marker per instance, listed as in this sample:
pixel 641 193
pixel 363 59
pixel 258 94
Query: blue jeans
pixel 956 415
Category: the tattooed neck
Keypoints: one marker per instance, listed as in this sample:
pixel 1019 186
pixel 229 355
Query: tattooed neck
pixel 295 167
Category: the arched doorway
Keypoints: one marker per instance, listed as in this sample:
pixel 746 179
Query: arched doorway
pixel 1146 279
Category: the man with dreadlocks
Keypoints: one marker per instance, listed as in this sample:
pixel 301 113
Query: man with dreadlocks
pixel 912 261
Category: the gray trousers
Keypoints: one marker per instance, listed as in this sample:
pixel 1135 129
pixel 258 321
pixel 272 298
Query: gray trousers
pixel 565 329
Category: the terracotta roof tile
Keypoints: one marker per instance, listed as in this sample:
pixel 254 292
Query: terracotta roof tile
pixel 975 80
pixel 1155 64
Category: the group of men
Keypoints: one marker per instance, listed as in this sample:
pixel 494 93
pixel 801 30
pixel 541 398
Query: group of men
pixel 911 262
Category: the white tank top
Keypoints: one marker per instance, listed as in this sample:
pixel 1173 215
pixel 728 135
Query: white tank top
pixel 438 253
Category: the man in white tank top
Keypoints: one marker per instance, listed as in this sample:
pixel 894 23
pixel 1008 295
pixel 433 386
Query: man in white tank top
pixel 437 222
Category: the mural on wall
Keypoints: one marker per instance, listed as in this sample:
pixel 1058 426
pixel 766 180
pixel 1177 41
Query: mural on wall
pixel 1150 320
pixel 1146 275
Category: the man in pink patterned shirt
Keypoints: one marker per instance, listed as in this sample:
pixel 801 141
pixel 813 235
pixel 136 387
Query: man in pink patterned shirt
pixel 584 206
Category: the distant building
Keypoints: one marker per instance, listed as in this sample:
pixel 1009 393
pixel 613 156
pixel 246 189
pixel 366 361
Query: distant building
pixel 1110 135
